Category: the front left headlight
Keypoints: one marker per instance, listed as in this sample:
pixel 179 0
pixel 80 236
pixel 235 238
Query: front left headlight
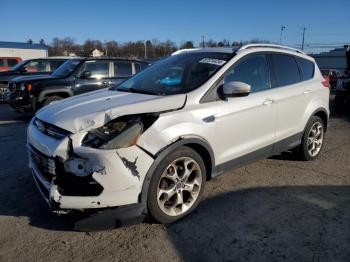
pixel 114 135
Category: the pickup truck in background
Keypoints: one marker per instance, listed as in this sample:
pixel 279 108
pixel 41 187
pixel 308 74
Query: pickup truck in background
pixel 40 66
pixel 7 62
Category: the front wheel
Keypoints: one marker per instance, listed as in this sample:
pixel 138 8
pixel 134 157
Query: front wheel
pixel 176 185
pixel 312 140
pixel 51 99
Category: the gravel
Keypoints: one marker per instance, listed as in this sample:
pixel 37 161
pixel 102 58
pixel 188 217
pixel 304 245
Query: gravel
pixel 277 209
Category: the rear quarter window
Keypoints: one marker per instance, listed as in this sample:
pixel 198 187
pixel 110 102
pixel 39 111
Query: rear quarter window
pixel 306 67
pixel 286 69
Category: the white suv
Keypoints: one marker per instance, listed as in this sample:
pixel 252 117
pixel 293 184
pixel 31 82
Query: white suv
pixel 152 142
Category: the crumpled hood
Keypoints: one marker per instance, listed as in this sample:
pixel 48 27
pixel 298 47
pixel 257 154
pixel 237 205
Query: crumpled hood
pixel 94 109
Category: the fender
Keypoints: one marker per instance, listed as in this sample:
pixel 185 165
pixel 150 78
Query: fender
pixel 65 90
pixel 323 110
pixel 181 141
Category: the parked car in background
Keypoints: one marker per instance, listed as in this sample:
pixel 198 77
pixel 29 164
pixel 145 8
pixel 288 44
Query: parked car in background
pixel 7 62
pixel 332 75
pixel 342 93
pixel 76 76
pixel 148 145
pixel 26 68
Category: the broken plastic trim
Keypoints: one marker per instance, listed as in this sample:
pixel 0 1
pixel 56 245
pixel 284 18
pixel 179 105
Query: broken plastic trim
pixel 119 133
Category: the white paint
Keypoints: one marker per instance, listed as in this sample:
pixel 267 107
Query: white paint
pixel 23 53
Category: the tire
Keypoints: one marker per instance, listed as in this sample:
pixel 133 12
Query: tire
pixel 167 188
pixel 312 141
pixel 51 99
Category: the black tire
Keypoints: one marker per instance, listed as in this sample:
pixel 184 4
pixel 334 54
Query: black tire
pixel 302 151
pixel 154 209
pixel 51 99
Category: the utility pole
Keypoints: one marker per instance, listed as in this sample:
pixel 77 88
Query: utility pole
pixel 145 48
pixel 303 42
pixel 203 43
pixel 106 48
pixel 282 29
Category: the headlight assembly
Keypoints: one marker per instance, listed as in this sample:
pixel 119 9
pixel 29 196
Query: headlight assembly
pixel 113 135
pixel 121 132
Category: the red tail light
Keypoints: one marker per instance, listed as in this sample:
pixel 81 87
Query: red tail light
pixel 326 83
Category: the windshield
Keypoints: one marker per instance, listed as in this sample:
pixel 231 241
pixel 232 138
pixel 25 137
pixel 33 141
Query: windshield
pixel 17 66
pixel 176 74
pixel 66 68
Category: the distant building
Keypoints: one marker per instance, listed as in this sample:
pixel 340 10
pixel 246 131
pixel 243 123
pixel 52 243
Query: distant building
pixel 96 53
pixel 334 59
pixel 23 50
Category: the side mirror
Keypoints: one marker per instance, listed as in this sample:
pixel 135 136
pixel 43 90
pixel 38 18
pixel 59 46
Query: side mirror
pixel 22 70
pixel 236 89
pixel 85 75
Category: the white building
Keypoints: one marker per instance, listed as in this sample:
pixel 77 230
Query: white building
pixel 23 50
pixel 96 53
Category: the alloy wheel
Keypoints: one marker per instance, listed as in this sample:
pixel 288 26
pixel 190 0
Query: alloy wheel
pixel 179 186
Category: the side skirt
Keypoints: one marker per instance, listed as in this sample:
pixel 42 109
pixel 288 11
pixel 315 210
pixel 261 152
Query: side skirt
pixel 262 153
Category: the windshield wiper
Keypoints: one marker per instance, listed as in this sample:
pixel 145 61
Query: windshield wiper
pixel 139 91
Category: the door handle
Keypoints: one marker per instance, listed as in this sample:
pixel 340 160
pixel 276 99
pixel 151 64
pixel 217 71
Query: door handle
pixel 268 101
pixel 306 92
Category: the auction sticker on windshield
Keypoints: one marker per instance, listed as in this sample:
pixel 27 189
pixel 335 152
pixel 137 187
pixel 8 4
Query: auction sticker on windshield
pixel 212 61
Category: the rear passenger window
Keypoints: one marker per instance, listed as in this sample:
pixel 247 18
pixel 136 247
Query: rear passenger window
pixel 252 70
pixel 2 62
pixel 286 70
pixel 306 67
pixel 122 69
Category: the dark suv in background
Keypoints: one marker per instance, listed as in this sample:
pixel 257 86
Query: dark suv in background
pixel 76 76
pixel 26 68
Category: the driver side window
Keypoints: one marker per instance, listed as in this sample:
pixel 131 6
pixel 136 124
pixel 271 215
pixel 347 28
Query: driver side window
pixel 252 70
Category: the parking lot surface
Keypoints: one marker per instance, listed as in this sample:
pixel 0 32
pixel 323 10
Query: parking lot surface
pixel 278 209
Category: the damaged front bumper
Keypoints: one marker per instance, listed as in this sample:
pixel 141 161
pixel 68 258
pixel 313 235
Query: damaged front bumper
pixel 114 177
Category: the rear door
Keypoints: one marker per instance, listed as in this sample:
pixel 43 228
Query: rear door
pixel 100 76
pixel 290 96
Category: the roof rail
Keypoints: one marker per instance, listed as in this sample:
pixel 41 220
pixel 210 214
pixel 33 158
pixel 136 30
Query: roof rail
pixel 271 46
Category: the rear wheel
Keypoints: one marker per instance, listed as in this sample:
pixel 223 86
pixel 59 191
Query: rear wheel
pixel 312 140
pixel 176 186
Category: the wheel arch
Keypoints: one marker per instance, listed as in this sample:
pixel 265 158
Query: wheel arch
pixel 200 145
pixel 323 114
pixel 56 91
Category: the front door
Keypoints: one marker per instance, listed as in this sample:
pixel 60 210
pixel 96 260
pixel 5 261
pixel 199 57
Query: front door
pixel 246 124
pixel 98 76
